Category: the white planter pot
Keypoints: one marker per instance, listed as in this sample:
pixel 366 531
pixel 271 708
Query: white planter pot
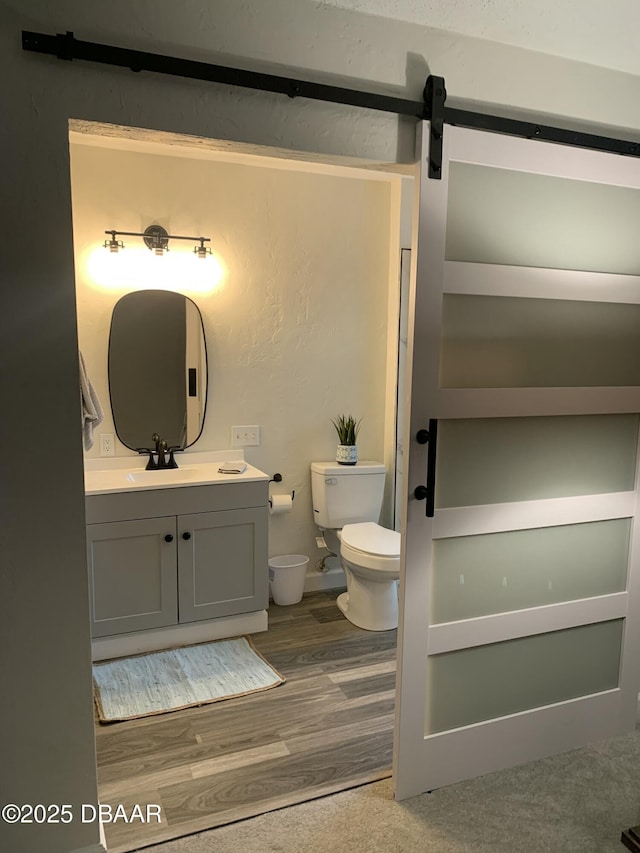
pixel 347 454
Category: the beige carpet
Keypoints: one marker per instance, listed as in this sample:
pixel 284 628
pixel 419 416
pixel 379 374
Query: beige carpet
pixel 159 682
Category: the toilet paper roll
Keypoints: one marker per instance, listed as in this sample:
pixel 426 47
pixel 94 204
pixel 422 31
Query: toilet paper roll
pixel 280 504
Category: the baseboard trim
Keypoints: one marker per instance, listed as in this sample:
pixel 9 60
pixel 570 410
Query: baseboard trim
pixel 104 648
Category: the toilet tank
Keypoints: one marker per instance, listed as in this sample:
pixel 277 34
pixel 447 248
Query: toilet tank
pixel 346 494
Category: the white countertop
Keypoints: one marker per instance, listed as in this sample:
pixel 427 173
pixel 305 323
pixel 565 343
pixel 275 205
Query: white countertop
pixel 127 473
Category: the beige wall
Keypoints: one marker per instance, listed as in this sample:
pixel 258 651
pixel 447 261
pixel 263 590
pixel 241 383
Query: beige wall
pixel 46 717
pixel 296 331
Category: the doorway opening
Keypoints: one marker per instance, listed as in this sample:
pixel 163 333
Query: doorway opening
pixel 302 325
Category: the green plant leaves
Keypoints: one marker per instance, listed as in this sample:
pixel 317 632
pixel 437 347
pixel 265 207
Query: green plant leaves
pixel 347 428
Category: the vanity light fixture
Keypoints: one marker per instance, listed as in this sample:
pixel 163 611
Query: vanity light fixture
pixel 202 251
pixel 156 239
pixel 113 245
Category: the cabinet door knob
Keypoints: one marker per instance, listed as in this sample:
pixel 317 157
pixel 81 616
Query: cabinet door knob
pixel 186 535
pixel 168 538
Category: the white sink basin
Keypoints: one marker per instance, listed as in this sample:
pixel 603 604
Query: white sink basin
pixel 164 475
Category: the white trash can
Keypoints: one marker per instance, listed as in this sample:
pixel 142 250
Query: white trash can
pixel 286 577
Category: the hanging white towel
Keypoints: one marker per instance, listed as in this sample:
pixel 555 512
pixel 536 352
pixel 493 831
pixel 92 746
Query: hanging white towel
pixel 90 406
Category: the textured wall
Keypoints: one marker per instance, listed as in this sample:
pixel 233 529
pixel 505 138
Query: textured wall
pixel 296 332
pixel 601 32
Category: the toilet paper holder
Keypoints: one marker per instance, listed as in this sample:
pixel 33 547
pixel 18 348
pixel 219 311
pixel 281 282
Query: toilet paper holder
pixel 277 478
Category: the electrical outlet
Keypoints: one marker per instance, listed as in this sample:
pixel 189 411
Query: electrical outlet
pixel 245 436
pixel 107 444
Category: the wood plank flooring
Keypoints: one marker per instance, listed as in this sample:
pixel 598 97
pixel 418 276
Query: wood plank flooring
pixel 328 728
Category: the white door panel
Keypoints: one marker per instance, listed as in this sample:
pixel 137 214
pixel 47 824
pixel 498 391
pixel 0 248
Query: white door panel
pixel 518 636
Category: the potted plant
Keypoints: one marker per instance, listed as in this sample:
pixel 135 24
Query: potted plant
pixel 347 428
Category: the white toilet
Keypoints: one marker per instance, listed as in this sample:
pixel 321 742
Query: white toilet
pixel 348 500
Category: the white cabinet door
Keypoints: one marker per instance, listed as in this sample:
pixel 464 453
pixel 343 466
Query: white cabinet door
pixel 132 575
pixel 520 591
pixel 222 563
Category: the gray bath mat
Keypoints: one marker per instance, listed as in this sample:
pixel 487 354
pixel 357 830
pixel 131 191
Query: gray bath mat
pixel 164 681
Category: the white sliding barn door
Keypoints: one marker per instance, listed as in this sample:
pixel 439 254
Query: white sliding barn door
pixel 519 634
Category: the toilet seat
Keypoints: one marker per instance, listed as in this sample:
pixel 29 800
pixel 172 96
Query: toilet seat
pixel 371 546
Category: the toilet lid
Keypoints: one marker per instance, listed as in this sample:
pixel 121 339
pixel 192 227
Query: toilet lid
pixel 372 539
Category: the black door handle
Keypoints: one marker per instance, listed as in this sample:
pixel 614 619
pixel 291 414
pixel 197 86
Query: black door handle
pixel 428 492
pixel 186 535
pixel 168 538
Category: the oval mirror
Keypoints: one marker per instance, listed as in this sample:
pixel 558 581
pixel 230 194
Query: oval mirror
pixel 157 369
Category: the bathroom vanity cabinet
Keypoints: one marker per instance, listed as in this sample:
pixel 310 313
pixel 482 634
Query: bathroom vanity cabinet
pixel 170 556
